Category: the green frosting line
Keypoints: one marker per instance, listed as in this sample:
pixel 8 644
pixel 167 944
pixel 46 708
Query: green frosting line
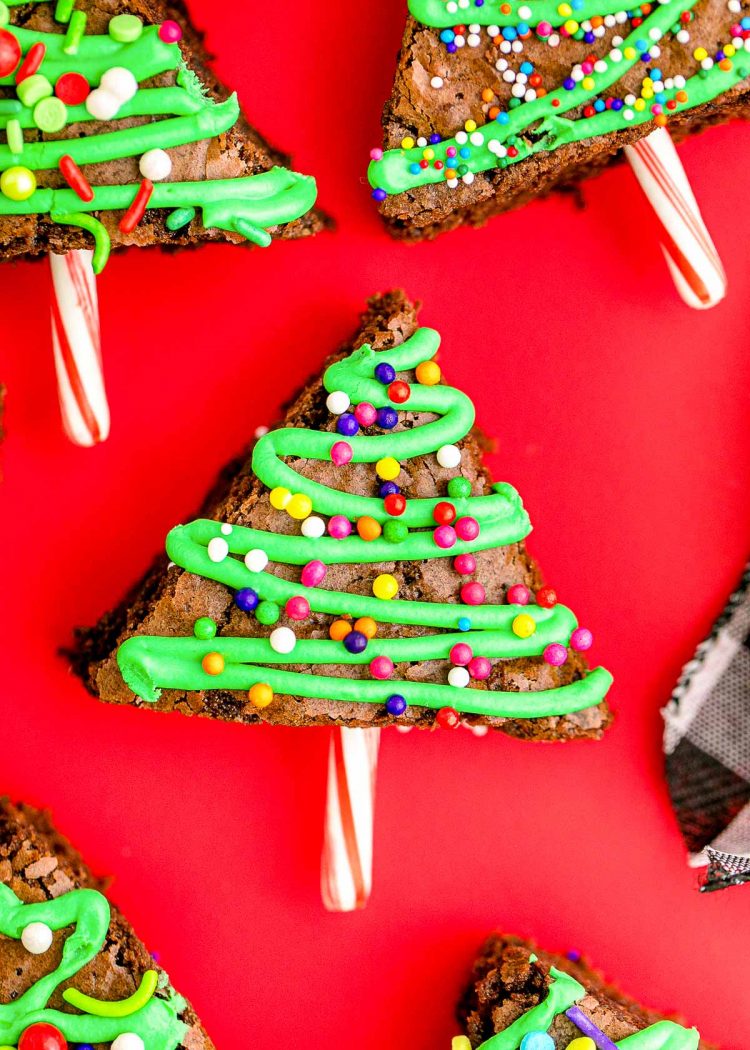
pixel 149 664
pixel 435 12
pixel 98 231
pixel 157 1022
pixel 564 992
pixel 543 120
pixel 124 1008
pixel 148 102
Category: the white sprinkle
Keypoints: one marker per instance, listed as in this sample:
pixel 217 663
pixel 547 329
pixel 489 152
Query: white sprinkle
pixel 734 6
pixel 617 41
pixel 509 76
pixel 501 64
pixel 218 548
pixel 422 141
pixel 517 47
pixel 521 78
pixel 553 40
pixel 655 33
pixel 256 560
pixel 313 527
pixel 630 100
pixel 530 95
pixel 679 81
pixel 476 138
pixel 627 114
pixel 102 105
pixel 682 36
pixel 600 66
pixel 283 640
pixel 468 178
pixel 437 82
pixel 615 55
pixel 473 40
pixel 707 63
pixel 128 1041
pixel 459 677
pixel 497 148
pixel 260 432
pixel 518 90
pixel 493 30
pixel 452 183
pixel 459 40
pixel 337 402
pixel 461 138
pixel 226 530
pixel 654 51
pixel 609 21
pixel 156 165
pixel 621 17
pixel 449 456
pixel 451 7
pixel 36 938
pixel 505 47
pixel 524 12
pixel 120 82
pixel 474 27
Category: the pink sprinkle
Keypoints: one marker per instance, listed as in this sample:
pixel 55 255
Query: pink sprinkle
pixel 444 536
pixel 556 654
pixel 313 573
pixel 480 668
pixel 170 32
pixel 451 151
pixel 581 639
pixel 341 453
pixel 376 154
pixel 298 608
pixel 381 667
pixel 473 593
pixel 467 528
pixel 365 414
pixel 465 564
pixel 339 527
pixel 518 594
pixel 461 654
pixel 544 28
pixel 587 67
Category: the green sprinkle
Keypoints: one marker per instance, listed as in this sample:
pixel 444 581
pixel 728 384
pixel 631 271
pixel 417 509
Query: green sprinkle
pixel 395 531
pixel 75 31
pixel 124 1008
pixel 15 136
pixel 10 105
pixel 64 10
pixel 267 613
pixel 33 89
pixel 98 231
pixel 125 28
pixel 204 628
pixel 180 217
pixel 4 14
pixel 253 233
pixel 459 488
pixel 50 115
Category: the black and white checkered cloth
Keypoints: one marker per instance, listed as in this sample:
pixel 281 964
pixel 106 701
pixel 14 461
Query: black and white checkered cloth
pixel 707 745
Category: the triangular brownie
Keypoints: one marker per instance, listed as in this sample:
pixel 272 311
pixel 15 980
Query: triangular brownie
pixel 496 103
pixel 72 971
pixel 117 129
pixel 521 996
pixel 357 567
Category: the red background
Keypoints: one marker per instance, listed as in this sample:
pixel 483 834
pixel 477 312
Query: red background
pixel 622 417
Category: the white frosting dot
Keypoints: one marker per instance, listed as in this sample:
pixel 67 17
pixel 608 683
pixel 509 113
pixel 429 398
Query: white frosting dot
pixel 36 938
pixel 337 402
pixel 156 165
pixel 120 82
pixel 218 548
pixel 313 527
pixel 256 560
pixel 102 104
pixel 449 456
pixel 459 677
pixel 283 640
pixel 128 1041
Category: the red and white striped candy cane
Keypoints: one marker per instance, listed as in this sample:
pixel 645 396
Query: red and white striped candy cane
pixel 690 253
pixel 346 869
pixel 76 342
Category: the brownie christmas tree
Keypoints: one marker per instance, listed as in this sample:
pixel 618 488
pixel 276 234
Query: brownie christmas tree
pixel 360 568
pixel 72 972
pixel 522 998
pixel 117 133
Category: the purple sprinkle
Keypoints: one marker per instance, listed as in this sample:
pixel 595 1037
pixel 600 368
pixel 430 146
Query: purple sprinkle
pixel 451 48
pixel 574 956
pixel 379 195
pixel 569 83
pixel 580 1020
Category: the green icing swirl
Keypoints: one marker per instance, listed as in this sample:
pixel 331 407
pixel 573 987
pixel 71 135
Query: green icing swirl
pixel 541 118
pixel 149 664
pixel 245 205
pixel 157 1022
pixel 564 992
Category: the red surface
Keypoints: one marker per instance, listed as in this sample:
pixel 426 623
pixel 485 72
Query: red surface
pixel 623 419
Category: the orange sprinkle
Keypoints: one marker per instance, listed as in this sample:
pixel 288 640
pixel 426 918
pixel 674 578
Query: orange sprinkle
pixel 367 626
pixel 681 96
pixel 339 630
pixel 368 528
pixel 660 120
pixel 725 64
pixel 213 663
pixel 492 112
pixel 260 694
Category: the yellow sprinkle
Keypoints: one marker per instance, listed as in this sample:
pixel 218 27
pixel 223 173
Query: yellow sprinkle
pixel 700 53
pixel 630 52
pixel 571 26
pixel 407 143
pixel 640 104
pixel 524 625
pixel 280 498
pixel 582 1043
pixel 299 507
pixel 385 586
pixel 460 1042
pixel 428 373
pixel 565 10
pixel 588 83
pixel 471 125
pixel 729 50
pixel 388 468
pixel 647 93
pixel 648 82
pixel 428 154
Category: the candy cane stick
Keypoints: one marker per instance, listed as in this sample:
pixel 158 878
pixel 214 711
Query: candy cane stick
pixel 690 253
pixel 346 869
pixel 76 343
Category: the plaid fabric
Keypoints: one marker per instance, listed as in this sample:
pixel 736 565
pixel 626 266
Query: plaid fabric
pixel 707 746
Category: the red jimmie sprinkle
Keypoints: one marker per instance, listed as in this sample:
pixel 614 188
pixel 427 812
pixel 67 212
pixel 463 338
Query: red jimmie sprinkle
pixel 32 62
pixel 75 178
pixel 137 209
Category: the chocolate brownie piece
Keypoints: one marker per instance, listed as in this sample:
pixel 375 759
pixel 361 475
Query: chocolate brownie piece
pixel 162 115
pixel 495 115
pixel 511 978
pixel 285 628
pixel 51 903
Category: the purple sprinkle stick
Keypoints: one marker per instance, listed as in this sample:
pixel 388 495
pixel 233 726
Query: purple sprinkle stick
pixel 580 1020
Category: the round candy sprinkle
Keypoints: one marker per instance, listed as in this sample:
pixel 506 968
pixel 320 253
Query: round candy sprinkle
pixel 247 599
pixel 36 938
pixel 50 115
pixel 428 373
pixel 102 105
pixel 581 639
pixel 72 88
pixel 385 586
pixel 381 668
pixel 388 488
pixel 217 549
pixel 458 677
pixel 444 513
pixel 367 626
pixel 388 468
pixel 299 506
pixel 395 531
pixel 339 527
pixel 155 164
pixel 387 417
pixel 523 625
pixel 472 593
pixel 464 623
pixel 267 613
pixel 297 607
pixel 546 597
pixel 379 195
pixel 584 1042
pixel 313 528
pixel 355 642
pixel 394 504
pixel 399 392
pixel 385 373
pixel 18 183
pixel 449 456
pixel 395 705
pixel 42 1036
pixel 33 89
pixel 341 453
pixel 128 1041
pixel 204 628
pixel 555 654
pixel 120 82
pixel 365 414
pixel 467 529
pixel 461 654
pixel 337 402
pixel 283 640
pixel 10 53
pixel 459 488
pixel 537 1041
pixel 480 668
pixel 465 564
pixel 213 663
pixel 368 528
pixel 339 629
pixel 444 536
pixel 313 573
pixel 256 560
pixel 448 718
pixel 260 695
pixel 170 32
pixel 125 28
pixel 347 424
pixel 518 594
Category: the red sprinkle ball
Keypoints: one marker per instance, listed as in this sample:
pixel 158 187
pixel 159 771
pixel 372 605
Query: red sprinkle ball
pixel 546 597
pixel 448 718
pixel 42 1036
pixel 395 504
pixel 444 514
pixel 399 391
pixel 518 594
pixel 72 89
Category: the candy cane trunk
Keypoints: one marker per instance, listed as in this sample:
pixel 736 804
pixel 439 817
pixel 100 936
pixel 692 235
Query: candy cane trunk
pixel 76 342
pixel 690 253
pixel 346 869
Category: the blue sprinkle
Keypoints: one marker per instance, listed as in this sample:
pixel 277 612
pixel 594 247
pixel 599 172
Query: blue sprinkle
pixel 396 705
pixel 451 162
pixel 569 84
pixel 646 57
pixel 414 169
pixel 451 49
pixel 464 152
pixel 247 599
pixel 642 45
pixel 577 5
pixel 745 23
pixel 537 1041
pixel 510 33
pixel 347 425
pixel 599 105
pixel 388 488
pixel 523 28
pixel 617 104
pixel 656 74
pixel 661 97
pixel 379 195
pixel 447 36
pixel 502 118
pixel 589 37
pixel 385 373
pixel 527 68
pixel 387 417
pixel 434 138
pixel 464 624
